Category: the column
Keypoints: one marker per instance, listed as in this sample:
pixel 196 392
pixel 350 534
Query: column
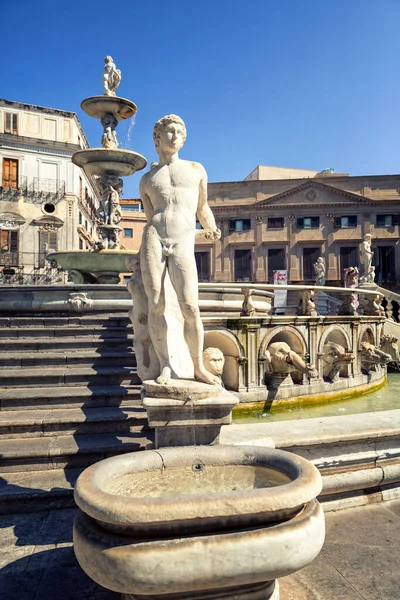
pixel 294 260
pixel 259 267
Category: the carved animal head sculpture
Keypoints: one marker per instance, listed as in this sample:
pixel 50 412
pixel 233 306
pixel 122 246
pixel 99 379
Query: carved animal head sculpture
pixel 389 345
pixel 214 361
pixel 333 356
pixel 372 356
pixel 280 358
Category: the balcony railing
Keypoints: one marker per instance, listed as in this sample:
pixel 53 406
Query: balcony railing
pixel 10 194
pixel 45 190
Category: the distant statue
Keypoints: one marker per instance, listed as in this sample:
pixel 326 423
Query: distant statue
pixel 306 304
pixel 111 77
pixel 214 361
pixel 109 138
pixel 174 195
pixel 370 277
pixel 319 268
pixel 110 187
pixel 366 254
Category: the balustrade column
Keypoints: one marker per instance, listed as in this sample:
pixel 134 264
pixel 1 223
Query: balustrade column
pixel 354 334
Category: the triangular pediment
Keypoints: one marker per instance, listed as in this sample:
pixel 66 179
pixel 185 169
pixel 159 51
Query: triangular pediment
pixel 313 193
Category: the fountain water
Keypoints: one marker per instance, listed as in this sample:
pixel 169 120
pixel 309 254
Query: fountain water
pixel 108 164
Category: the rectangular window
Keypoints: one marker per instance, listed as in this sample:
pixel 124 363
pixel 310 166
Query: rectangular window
pixel 239 224
pixel 310 256
pixel 347 221
pixel 11 123
pixel 385 263
pixel 9 248
pixel 242 265
pixel 203 265
pixel 384 220
pixel 308 223
pixel 348 257
pixel 48 240
pixel 275 222
pixel 128 233
pixel 276 262
pixel 132 207
pixel 10 173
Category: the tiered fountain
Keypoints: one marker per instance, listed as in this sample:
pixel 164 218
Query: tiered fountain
pixel 108 164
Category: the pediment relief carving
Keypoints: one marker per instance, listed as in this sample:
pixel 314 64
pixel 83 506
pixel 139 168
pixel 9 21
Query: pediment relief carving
pixel 313 193
pixel 10 220
pixel 48 222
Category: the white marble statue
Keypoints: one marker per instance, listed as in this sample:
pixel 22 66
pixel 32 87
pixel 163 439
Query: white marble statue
pixel 214 361
pixel 109 137
pixel 366 255
pixel 174 195
pixel 111 77
pixel 319 268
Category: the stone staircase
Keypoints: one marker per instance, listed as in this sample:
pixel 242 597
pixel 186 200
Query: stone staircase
pixel 69 396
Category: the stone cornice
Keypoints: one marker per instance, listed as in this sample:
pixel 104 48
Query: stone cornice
pixel 325 206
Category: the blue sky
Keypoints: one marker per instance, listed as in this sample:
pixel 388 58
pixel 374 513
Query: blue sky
pixel 310 84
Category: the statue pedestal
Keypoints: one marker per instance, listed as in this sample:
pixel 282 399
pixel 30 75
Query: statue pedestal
pixel 186 412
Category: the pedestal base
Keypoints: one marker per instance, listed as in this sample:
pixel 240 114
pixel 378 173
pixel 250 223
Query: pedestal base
pixel 261 591
pixel 187 412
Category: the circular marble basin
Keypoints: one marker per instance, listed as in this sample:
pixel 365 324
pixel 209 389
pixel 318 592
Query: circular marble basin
pixel 93 262
pixel 189 520
pixel 98 106
pixel 100 161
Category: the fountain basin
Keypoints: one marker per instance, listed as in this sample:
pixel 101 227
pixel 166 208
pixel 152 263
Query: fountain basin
pixel 80 263
pixel 98 106
pixel 190 519
pixel 99 161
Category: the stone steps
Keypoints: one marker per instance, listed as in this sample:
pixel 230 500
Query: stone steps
pixel 55 376
pixel 59 357
pixel 74 421
pixel 68 343
pixel 68 451
pixel 99 332
pixel 69 396
pixel 37 490
pixel 45 398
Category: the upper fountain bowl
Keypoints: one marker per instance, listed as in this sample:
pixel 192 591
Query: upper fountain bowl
pixel 101 161
pixel 98 106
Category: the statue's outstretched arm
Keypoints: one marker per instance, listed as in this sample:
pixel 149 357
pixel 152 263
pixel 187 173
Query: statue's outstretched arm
pixel 204 212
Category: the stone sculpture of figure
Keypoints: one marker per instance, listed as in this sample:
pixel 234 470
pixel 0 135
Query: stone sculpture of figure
pixel 248 308
pixel 111 77
pixel 280 358
pixel 370 277
pixel 109 138
pixel 333 357
pixel 306 304
pixel 319 268
pixel 174 195
pixel 110 187
pixel 366 255
pixel 214 361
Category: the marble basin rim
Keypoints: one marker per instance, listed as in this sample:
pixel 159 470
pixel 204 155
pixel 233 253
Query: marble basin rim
pixel 196 512
pixel 101 161
pixel 93 262
pixel 98 106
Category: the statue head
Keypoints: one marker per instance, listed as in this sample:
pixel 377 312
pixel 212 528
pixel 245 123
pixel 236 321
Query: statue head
pixel 214 361
pixel 169 133
pixel 108 59
pixel 367 237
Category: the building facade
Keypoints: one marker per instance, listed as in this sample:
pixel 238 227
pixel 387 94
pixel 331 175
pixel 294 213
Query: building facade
pixel 46 202
pixel 288 223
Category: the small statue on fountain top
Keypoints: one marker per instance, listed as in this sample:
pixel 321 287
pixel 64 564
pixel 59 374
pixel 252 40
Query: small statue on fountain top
pixel 110 187
pixel 111 77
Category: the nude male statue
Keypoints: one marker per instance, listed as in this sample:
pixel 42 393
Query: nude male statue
pixel 366 254
pixel 174 195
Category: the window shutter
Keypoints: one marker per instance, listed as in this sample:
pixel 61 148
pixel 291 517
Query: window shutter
pixel 396 219
pixel 15 124
pixel 353 221
pixel 300 223
pixel 337 222
pixel 53 240
pixel 7 122
pixel 314 221
pixel 13 241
